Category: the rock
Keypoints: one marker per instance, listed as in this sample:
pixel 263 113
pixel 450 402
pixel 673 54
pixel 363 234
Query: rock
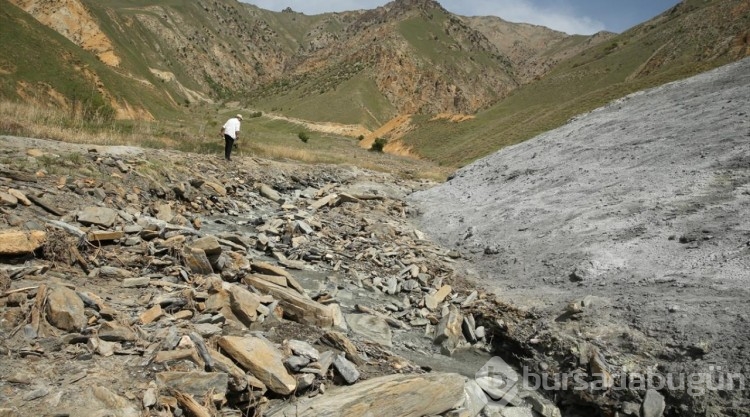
pixel 16 242
pixel 295 363
pixel 115 332
pixel 305 381
pixel 542 405
pixel 149 398
pixel 653 404
pixel 8 200
pixel 469 329
pixel 270 193
pixel 65 309
pixel 268 269
pixel 20 196
pixel 136 282
pixel 500 381
pixel 101 347
pixel 475 398
pixel 346 369
pixel 392 395
pixel 244 304
pixel 198 384
pixel 518 412
pixel 296 307
pixel 216 188
pixel 209 244
pixel 100 216
pixel 304 227
pixel 341 342
pixel 103 236
pixel 197 261
pixel 151 315
pixel 262 359
pixel 448 333
pixel 371 328
pixel 305 349
pixel 237 377
pixel 113 272
pixel 480 332
pixel 324 201
pixel 433 300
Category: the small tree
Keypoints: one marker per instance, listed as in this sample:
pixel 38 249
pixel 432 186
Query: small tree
pixel 379 144
pixel 303 136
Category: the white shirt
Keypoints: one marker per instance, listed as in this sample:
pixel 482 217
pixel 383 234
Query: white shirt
pixel 231 127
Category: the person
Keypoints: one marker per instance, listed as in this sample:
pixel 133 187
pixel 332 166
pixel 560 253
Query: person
pixel 231 132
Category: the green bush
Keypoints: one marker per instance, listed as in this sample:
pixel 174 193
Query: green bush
pixel 361 138
pixel 303 136
pixel 379 144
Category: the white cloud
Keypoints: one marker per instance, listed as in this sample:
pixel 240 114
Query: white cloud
pixel 559 17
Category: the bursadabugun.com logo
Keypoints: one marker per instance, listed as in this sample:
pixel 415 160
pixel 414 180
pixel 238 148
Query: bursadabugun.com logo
pixel 503 385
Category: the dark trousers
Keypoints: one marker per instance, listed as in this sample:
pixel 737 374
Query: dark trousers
pixel 228 144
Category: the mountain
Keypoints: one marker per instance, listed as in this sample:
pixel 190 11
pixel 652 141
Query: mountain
pixel 692 37
pixel 409 56
pixel 534 50
pixel 439 86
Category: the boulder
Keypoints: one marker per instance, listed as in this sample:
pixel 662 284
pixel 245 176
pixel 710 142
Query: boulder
pixel 209 244
pixel 296 307
pixel 392 395
pixel 17 242
pixel 99 216
pixel 197 261
pixel 244 304
pixel 270 193
pixel 653 404
pixel 65 309
pixel 262 359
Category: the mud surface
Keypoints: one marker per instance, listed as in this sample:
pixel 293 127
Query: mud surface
pixel 642 206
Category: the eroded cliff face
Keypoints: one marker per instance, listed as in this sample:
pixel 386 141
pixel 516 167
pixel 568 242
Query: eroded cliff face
pixel 71 19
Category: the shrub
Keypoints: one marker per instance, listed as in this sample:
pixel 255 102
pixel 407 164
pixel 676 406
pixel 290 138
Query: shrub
pixel 361 138
pixel 303 136
pixel 379 144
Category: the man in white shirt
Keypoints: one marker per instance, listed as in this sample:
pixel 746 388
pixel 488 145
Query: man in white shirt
pixel 231 132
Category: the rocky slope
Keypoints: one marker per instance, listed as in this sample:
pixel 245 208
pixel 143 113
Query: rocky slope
pixel 138 283
pixel 534 50
pixel 623 231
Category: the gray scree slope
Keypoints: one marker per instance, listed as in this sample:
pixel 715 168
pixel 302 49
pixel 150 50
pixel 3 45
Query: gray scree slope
pixel 643 204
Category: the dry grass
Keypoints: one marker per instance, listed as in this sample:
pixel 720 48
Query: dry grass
pixel 27 120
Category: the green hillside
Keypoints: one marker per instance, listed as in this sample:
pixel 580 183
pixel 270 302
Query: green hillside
pixel 693 37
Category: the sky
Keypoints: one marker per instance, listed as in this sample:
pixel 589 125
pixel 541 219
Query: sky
pixel 582 17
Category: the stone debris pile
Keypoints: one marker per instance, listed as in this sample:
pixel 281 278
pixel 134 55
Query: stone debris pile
pixel 146 285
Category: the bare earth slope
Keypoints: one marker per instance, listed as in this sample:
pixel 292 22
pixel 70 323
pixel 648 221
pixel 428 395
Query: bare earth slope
pixel 642 204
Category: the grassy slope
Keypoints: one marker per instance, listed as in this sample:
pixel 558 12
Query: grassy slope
pixel 38 54
pixel 580 84
pixel 34 54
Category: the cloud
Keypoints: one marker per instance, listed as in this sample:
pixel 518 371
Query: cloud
pixel 315 7
pixel 558 16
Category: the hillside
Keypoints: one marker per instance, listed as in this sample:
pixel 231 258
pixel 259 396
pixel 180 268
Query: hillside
pixel 622 230
pixel 361 67
pixel 534 50
pixel 690 38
